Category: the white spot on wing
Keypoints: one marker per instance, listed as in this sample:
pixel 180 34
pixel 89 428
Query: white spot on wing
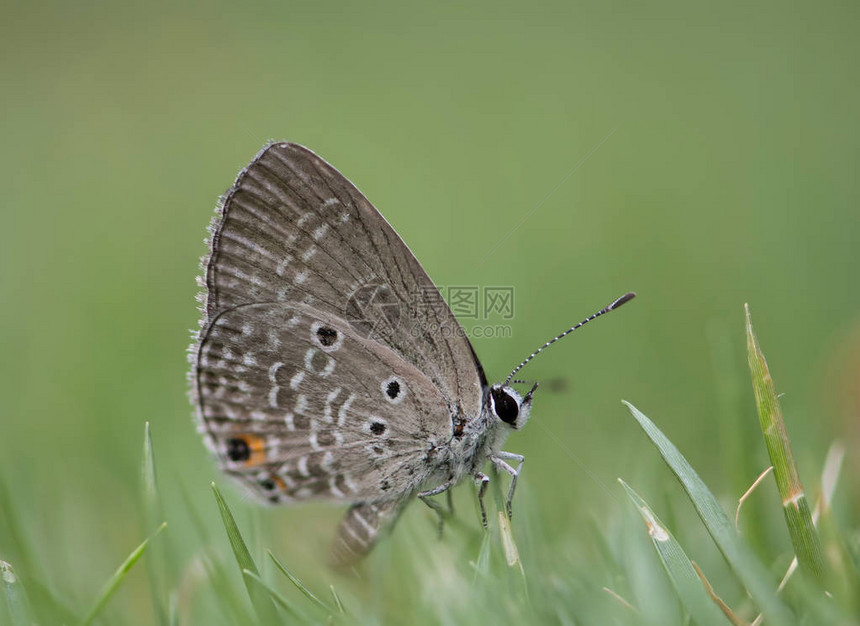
pixel 326 462
pixel 332 485
pixel 350 483
pixel 341 413
pixel 274 340
pixel 273 396
pixel 273 370
pixel 301 404
pixel 296 380
pixel 320 232
pixel 331 397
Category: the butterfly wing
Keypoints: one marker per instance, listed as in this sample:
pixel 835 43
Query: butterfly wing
pixel 300 406
pixel 361 529
pixel 292 229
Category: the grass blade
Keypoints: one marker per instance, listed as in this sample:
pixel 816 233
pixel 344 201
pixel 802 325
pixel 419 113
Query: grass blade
pixel 482 563
pixel 150 490
pixel 337 601
pixel 512 555
pixel 16 596
pixel 299 584
pixel 798 515
pixel 253 579
pixel 746 566
pixel 119 575
pixel 152 512
pixel 260 600
pixel 678 566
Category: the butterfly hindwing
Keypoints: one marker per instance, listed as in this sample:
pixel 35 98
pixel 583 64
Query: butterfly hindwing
pixel 299 406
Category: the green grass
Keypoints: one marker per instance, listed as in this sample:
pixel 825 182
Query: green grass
pixel 632 573
pixel 701 154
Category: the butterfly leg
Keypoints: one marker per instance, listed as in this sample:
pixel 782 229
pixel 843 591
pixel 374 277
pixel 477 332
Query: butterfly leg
pixel 481 481
pixel 499 460
pixel 426 498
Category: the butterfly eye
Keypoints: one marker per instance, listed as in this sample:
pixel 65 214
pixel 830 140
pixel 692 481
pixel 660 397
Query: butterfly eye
pixel 505 406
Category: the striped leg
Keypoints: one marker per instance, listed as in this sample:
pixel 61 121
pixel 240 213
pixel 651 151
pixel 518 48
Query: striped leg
pixel 481 482
pixel 499 461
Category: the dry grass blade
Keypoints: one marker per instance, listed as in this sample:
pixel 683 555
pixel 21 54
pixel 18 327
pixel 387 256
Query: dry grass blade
pixel 798 515
pixel 620 600
pixel 725 608
pixel 749 492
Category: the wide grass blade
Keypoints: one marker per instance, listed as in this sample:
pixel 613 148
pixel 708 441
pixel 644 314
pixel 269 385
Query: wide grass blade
pixel 746 566
pixel 259 598
pixel 678 566
pixel 16 596
pixel 798 515
pixel 119 575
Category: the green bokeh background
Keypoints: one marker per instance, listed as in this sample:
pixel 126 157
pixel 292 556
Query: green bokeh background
pixel 714 157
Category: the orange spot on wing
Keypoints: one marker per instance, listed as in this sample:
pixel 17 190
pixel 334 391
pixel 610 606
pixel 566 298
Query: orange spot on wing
pixel 257 446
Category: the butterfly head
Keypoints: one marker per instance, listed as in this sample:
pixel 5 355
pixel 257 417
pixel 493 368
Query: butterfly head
pixel 509 406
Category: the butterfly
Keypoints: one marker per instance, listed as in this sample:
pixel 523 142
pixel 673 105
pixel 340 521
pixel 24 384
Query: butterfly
pixel 328 366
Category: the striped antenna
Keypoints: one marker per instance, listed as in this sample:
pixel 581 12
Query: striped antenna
pixel 627 297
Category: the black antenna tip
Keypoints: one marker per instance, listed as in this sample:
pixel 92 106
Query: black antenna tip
pixel 627 297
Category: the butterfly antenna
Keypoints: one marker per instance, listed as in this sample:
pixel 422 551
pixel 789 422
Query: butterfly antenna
pixel 627 297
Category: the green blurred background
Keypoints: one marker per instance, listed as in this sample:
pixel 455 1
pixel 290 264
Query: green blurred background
pixel 714 157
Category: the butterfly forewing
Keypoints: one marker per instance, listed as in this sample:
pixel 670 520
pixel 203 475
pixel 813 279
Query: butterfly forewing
pixel 294 230
pixel 299 406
